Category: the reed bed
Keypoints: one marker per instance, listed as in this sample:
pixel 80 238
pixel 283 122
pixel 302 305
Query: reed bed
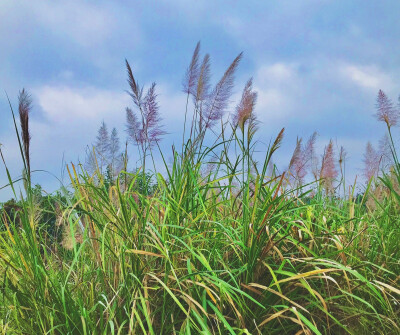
pixel 220 244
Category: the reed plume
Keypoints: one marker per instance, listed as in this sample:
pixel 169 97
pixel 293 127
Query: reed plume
pixel 24 108
pixel 245 108
pixel 276 145
pixel 302 158
pixel 328 171
pixel 371 161
pixel 278 140
pixel 133 127
pixel 295 164
pixel 105 152
pixel 115 156
pixel 386 112
pixel 146 129
pixel 309 150
pixel 191 82
pixel 152 128
pixel 219 98
pixel 102 146
pixel 192 73
pixel 203 82
pixel 201 94
pixel 136 92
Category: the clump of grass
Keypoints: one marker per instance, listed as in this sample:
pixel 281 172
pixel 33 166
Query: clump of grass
pixel 232 249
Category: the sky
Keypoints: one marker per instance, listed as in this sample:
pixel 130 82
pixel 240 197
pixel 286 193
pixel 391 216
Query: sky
pixel 316 65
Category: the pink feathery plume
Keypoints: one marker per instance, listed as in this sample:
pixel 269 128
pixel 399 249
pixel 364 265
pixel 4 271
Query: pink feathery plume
pixel 307 156
pixel 202 89
pixel 24 108
pixel 219 98
pixel 149 130
pixel 309 149
pixel 328 168
pixel 371 162
pixel 203 81
pixel 152 127
pixel 244 111
pixel 386 112
pixel 136 92
pixel 192 73
pixel 302 158
pixel 295 165
pixel 133 127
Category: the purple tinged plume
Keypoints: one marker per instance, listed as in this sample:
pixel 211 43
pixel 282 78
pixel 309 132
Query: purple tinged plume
pixel 219 98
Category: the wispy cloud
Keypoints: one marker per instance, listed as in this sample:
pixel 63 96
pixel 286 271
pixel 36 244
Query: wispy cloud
pixel 65 105
pixel 368 77
pixel 278 87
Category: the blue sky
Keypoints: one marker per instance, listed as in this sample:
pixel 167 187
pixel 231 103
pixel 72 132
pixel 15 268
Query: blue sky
pixel 317 66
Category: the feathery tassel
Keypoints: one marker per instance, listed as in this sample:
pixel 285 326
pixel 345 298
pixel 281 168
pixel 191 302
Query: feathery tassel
pixel 24 108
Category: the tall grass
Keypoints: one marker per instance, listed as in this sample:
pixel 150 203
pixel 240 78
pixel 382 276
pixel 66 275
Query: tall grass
pixel 231 249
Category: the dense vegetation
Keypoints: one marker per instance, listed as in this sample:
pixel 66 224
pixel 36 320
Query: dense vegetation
pixel 220 244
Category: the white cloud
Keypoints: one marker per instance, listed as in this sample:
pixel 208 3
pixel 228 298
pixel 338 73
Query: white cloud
pixel 65 105
pixel 368 77
pixel 277 73
pixel 62 104
pixel 272 103
pixel 278 87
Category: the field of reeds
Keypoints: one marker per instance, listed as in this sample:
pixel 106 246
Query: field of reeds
pixel 221 243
